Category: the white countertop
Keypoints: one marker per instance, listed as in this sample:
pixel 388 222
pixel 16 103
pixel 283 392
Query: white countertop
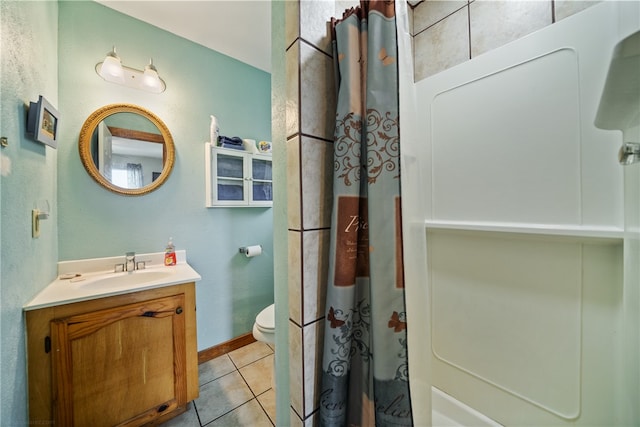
pixel 95 278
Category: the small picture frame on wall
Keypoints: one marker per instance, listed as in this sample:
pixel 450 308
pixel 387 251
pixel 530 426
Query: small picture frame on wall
pixel 43 122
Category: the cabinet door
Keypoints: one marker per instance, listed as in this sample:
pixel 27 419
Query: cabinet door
pixel 120 366
pixel 261 181
pixel 230 173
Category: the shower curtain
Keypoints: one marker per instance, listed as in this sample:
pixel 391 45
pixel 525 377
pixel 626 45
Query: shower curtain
pixel 365 379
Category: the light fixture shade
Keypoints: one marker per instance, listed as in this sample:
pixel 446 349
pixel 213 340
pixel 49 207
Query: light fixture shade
pixel 150 78
pixel 111 68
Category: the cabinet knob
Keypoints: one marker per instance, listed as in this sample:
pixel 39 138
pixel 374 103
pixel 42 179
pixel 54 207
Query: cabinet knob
pixel 163 408
pixel 179 310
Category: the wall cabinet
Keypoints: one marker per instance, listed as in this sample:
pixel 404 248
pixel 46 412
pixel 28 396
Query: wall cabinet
pixel 237 178
pixel 123 360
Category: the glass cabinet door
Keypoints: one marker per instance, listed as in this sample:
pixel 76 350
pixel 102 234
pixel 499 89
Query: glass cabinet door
pixel 230 173
pixel 262 184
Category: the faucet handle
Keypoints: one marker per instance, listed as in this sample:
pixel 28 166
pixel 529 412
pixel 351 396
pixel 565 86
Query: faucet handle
pixel 130 261
pixel 118 268
pixel 141 265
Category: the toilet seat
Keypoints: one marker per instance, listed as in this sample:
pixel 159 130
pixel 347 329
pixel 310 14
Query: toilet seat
pixel 265 320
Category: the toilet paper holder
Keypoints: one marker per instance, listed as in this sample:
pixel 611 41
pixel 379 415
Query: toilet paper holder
pixel 245 249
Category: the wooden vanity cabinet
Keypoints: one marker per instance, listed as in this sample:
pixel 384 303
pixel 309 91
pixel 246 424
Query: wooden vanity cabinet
pixel 126 360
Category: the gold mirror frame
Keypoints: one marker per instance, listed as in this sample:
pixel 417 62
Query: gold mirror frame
pixel 84 146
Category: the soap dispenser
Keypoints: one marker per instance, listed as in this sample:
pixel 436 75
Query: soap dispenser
pixel 170 253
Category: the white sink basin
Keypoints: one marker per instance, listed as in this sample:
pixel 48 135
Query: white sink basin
pixel 135 278
pixel 86 279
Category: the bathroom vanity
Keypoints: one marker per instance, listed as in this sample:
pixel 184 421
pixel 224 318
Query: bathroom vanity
pixel 126 355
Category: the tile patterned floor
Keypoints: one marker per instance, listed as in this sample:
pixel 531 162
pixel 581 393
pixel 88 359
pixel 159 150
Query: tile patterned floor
pixel 235 391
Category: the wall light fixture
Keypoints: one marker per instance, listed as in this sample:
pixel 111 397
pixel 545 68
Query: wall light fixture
pixel 112 70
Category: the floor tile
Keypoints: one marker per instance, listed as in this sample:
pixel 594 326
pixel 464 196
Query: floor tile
pixel 229 385
pixel 268 402
pixel 259 374
pixel 215 368
pixel 248 415
pixel 249 353
pixel 221 396
pixel 186 419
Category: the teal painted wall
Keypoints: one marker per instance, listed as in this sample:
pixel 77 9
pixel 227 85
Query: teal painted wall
pixel 29 48
pixel 94 222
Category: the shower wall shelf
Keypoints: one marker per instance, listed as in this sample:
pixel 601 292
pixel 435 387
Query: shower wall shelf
pixel 610 234
pixel 619 107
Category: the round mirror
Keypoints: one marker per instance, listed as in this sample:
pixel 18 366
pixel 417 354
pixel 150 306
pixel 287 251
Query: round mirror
pixel 126 149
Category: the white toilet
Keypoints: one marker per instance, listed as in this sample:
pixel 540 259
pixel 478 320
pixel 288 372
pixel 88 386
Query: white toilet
pixel 264 328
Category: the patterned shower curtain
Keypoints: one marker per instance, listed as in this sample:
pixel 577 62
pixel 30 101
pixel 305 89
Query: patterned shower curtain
pixel 365 379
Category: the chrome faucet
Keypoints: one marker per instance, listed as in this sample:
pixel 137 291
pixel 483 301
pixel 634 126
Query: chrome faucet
pixel 130 261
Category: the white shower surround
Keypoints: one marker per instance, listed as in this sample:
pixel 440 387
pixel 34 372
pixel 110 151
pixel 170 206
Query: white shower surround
pixel 568 204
